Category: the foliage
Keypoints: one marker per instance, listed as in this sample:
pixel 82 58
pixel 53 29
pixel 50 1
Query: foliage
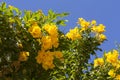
pixel 33 48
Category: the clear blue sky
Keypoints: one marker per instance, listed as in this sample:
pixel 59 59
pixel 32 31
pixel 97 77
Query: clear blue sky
pixel 106 12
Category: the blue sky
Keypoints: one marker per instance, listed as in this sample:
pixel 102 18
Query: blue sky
pixel 106 12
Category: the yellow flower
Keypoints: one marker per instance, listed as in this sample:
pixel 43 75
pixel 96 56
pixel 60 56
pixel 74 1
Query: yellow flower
pixel 53 32
pixel 46 42
pixel 46 66
pixel 10 7
pixel 74 34
pixel 58 54
pixel 49 60
pixel 117 77
pixel 83 23
pixel 40 57
pixel 55 41
pixel 98 62
pixel 98 29
pixel 62 36
pixel 46 59
pixel 112 56
pixel 93 28
pixel 101 37
pixel 112 73
pixel 116 64
pixel 93 22
pixel 49 41
pixel 51 29
pixel 35 31
pixel 23 56
pixel 20 45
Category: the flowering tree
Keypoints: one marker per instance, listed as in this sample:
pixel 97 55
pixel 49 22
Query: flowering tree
pixel 33 48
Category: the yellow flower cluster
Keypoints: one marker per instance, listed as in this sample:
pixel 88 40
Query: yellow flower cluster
pixel 101 37
pixel 52 39
pixel 23 56
pixel 20 45
pixel 46 58
pixel 98 62
pixel 35 31
pixel 112 73
pixel 93 25
pixel 51 29
pixel 93 22
pixel 83 23
pixel 48 40
pixel 74 34
pixel 98 29
pixel 110 58
pixel 117 77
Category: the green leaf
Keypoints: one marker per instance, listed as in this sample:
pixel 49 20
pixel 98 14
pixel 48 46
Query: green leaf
pixel 61 22
pixel 3 6
pixel 63 14
pixel 51 15
pixel 27 15
pixel 17 10
pixel 18 21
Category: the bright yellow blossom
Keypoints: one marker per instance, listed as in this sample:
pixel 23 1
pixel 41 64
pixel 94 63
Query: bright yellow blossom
pixel 53 36
pixel 112 56
pixel 98 62
pixel 58 54
pixel 49 41
pixel 117 77
pixel 93 22
pixel 116 64
pixel 46 59
pixel 10 7
pixel 112 73
pixel 20 45
pixel 46 66
pixel 83 23
pixel 101 37
pixel 98 29
pixel 51 29
pixel 74 34
pixel 35 31
pixel 55 41
pixel 23 56
pixel 46 42
pixel 40 57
